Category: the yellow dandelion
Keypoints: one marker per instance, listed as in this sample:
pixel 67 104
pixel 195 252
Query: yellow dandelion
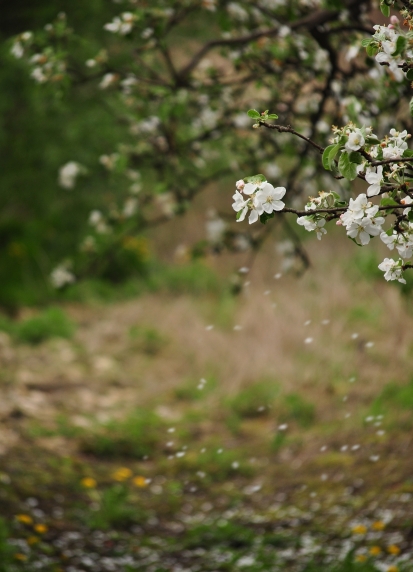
pixel 392 569
pixel 88 483
pixel 393 549
pixel 40 528
pixel 359 529
pixel 140 481
pixel 378 525
pixel 24 518
pixel 20 556
pixel 122 474
pixel 361 558
pixel 33 540
pixel 375 550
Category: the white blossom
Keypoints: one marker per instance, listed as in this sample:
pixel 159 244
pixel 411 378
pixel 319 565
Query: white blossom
pixel 374 176
pixel 61 276
pixel 68 174
pixel 269 198
pixel 364 228
pixel 355 141
pixel 392 270
pixel 108 79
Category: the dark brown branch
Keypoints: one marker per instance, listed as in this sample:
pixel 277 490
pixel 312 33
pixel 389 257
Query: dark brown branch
pixel 289 129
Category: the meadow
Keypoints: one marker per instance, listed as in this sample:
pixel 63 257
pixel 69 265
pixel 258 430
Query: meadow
pixel 191 429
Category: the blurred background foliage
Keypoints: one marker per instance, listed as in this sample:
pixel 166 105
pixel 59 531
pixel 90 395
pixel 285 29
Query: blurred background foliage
pixel 41 223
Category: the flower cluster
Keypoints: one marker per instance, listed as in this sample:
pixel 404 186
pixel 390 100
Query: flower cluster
pixel 316 221
pixel 261 197
pixel 122 24
pixel 361 221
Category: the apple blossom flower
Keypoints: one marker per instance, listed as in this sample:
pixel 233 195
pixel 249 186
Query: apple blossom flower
pixel 363 229
pixel 240 205
pixel 269 198
pixel 374 176
pixel 392 270
pixel 355 141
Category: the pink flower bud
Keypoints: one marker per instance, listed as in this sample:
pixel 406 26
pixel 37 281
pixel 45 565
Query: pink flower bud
pixel 394 20
pixel 339 222
pixel 240 184
pixel 390 27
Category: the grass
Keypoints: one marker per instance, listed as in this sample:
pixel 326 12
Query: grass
pixel 255 400
pixel 137 436
pixel 51 323
pixel 224 487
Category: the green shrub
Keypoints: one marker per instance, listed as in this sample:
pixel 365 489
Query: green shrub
pixel 115 510
pixel 147 339
pixel 6 550
pixel 51 323
pixel 296 408
pixel 136 436
pixel 254 400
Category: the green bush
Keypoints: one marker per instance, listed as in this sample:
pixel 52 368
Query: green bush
pixel 296 408
pixel 51 323
pixel 135 437
pixel 147 340
pixel 254 400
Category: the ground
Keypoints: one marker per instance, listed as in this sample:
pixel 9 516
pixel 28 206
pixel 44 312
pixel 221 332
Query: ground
pixel 205 431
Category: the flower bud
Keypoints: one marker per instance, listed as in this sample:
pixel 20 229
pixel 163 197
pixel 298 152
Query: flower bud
pixel 240 185
pixel 394 20
pixel 339 222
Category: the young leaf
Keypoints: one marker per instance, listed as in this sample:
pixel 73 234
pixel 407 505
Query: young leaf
pixel 255 179
pixel 356 157
pixel 253 113
pixel 347 169
pixel 366 41
pixel 273 116
pixel 265 216
pixel 400 46
pixel 372 50
pixel 409 75
pixel 325 158
pixel 385 10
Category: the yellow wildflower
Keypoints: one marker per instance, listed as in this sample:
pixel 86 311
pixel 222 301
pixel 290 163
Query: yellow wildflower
pixel 375 550
pixel 88 483
pixel 393 549
pixel 359 529
pixel 378 525
pixel 122 474
pixel 32 540
pixel 140 481
pixel 361 558
pixel 392 569
pixel 20 556
pixel 40 528
pixel 24 518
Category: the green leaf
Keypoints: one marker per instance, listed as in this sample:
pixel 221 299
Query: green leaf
pixel 326 154
pixel 409 75
pixel 372 141
pixel 253 113
pixel 385 10
pixel 356 157
pixel 408 153
pixel 388 203
pixel 239 213
pixel 255 179
pixel 400 46
pixel 366 41
pixel 347 169
pixel 372 50
pixel 410 215
pixel 411 107
pixel 273 116
pixel 265 216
